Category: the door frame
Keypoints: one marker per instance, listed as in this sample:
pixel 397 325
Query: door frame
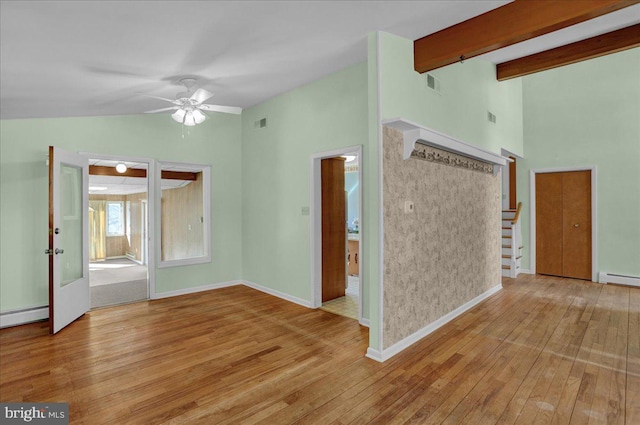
pixel 315 211
pixel 151 199
pixel 506 186
pixel 594 214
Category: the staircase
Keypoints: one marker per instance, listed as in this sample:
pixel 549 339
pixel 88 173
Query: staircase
pixel 511 242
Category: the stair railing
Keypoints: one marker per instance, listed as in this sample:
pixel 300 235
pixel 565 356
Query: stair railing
pixel 516 240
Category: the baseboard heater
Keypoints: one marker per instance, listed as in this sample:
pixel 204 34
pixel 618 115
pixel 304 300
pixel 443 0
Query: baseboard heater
pixel 22 316
pixel 619 279
pixel 131 256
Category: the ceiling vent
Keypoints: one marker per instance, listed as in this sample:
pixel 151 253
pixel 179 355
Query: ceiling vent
pixel 433 83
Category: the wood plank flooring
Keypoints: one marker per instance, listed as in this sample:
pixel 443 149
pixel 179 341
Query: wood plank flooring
pixel 542 351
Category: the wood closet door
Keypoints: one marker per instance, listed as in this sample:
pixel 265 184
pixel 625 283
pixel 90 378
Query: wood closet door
pixel 334 229
pixel 563 224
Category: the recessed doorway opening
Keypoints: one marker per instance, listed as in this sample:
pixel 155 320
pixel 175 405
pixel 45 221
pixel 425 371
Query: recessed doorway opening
pixel 336 199
pixel 118 232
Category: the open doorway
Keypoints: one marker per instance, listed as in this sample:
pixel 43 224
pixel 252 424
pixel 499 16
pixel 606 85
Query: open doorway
pixel 336 224
pixel 118 232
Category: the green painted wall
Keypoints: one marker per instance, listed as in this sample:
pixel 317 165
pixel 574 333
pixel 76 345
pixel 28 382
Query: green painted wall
pixel 468 91
pixel 328 114
pixel 24 192
pixel 589 114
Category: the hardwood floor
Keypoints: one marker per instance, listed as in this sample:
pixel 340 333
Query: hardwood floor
pixel 543 350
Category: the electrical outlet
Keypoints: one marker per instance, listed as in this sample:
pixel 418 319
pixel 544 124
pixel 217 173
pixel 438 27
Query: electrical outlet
pixel 408 207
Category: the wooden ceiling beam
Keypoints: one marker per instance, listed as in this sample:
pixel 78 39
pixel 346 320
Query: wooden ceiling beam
pixel 99 170
pixel 509 24
pixel 604 44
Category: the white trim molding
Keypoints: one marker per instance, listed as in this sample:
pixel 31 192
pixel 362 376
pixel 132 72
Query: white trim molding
pixel 415 133
pixel 195 289
pixel 278 294
pixel 605 278
pixel 24 316
pixel 399 346
pixel 594 214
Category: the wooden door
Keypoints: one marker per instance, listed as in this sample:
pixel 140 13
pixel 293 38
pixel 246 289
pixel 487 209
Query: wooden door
pixel 576 243
pixel 563 224
pixel 334 232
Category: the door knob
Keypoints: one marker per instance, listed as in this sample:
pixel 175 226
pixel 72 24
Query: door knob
pixel 48 251
pixel 59 251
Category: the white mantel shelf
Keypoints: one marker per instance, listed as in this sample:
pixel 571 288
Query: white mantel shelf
pixel 414 133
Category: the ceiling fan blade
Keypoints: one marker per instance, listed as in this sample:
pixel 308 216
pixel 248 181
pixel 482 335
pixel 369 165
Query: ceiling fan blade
pixel 161 98
pixel 201 95
pixel 219 108
pixel 170 108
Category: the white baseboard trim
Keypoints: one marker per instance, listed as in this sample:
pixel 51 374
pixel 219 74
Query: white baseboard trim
pixel 22 317
pixel 278 294
pixel 364 322
pixel 195 289
pixel 374 354
pixel 619 279
pixel 416 336
pixel 525 271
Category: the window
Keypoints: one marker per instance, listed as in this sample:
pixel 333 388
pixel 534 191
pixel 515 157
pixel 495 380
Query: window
pixel 115 218
pixel 184 214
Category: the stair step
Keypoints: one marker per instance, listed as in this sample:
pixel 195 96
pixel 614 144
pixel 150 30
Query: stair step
pixel 508 256
pixel 506 246
pixel 506 236
pixel 506 267
pixel 509 211
pixel 506 228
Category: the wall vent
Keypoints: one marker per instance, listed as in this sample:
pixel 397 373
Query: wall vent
pixel 433 83
pixel 261 123
pixel 491 117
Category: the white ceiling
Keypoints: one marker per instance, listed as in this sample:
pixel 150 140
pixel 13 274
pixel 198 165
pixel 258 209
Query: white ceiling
pixel 90 58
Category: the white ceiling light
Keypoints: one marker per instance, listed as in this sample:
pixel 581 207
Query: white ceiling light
pixel 121 167
pixel 349 158
pixel 97 188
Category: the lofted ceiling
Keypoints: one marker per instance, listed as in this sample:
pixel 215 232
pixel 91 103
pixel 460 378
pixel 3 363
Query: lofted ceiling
pixel 91 58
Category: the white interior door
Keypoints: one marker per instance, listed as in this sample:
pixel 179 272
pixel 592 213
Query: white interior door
pixel 69 296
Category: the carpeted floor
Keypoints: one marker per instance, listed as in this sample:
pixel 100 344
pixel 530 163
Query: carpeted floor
pixel 117 281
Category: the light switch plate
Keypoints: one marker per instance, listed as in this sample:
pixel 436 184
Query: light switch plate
pixel 304 210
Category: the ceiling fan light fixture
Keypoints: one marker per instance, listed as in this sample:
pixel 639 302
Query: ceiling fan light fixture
pixel 189 119
pixel 121 167
pixel 178 115
pixel 198 116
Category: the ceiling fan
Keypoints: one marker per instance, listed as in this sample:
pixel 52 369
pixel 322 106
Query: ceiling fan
pixel 189 107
